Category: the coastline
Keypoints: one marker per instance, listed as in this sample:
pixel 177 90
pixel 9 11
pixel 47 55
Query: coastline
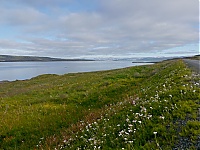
pixel 78 99
pixel 11 71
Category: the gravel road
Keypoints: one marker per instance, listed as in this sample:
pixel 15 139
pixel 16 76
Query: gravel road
pixel 186 142
pixel 193 64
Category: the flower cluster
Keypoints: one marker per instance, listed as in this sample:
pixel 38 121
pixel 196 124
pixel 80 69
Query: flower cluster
pixel 139 121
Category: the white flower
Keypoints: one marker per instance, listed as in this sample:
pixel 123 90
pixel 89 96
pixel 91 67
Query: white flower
pixel 140 115
pixel 162 117
pixel 130 131
pixel 133 102
pixel 130 141
pixel 155 133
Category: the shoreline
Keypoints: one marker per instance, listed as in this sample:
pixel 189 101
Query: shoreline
pixel 153 62
pixel 130 64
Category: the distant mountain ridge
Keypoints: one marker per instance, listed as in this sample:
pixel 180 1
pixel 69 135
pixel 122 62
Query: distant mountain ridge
pixel 9 58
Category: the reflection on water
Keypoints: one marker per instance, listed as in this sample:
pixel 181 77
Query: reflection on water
pixel 25 70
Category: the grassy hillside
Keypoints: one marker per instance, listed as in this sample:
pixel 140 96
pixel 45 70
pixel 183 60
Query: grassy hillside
pixel 142 107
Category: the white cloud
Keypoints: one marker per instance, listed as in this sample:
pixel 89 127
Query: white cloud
pixel 116 27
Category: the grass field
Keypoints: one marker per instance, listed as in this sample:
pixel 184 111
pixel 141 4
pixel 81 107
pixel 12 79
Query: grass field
pixel 143 107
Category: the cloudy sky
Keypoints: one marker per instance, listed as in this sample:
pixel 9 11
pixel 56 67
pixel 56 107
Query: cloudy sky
pixel 99 28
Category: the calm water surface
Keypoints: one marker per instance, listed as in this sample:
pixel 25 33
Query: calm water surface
pixel 25 70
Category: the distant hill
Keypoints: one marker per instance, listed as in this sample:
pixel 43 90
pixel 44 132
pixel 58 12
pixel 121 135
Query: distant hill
pixel 196 57
pixel 9 58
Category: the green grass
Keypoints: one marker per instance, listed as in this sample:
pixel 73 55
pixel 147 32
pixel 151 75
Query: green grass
pixel 133 108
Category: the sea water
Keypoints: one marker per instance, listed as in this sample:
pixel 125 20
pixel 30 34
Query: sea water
pixel 25 70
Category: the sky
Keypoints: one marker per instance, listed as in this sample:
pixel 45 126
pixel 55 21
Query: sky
pixel 99 28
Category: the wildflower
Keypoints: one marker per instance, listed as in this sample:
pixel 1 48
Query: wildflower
pixel 130 130
pixel 126 133
pixel 122 131
pixel 155 133
pixel 175 106
pixel 140 115
pixel 149 116
pixel 133 102
pixel 137 98
pixel 130 141
pixel 162 117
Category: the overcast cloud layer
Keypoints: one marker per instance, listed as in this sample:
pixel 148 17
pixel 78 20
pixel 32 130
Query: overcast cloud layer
pixel 90 28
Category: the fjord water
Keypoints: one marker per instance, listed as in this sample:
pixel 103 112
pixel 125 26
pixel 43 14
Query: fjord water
pixel 25 70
